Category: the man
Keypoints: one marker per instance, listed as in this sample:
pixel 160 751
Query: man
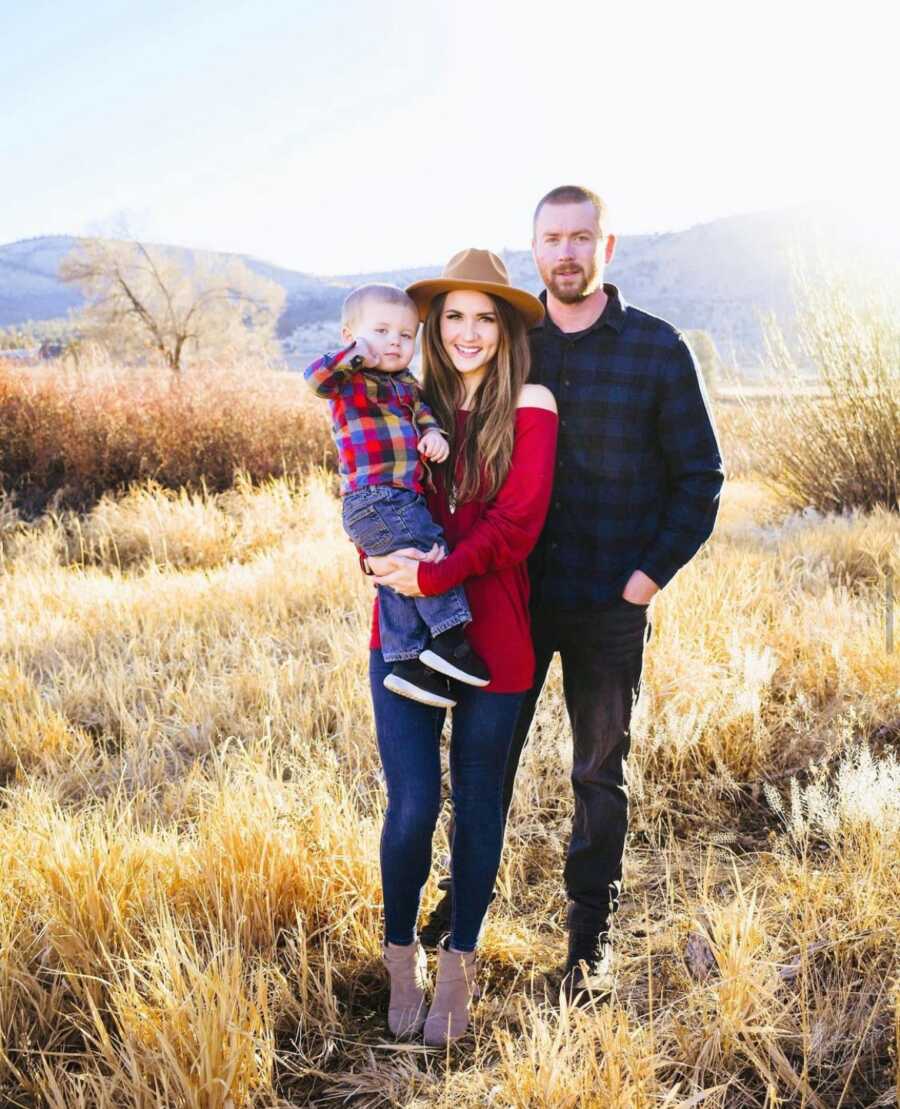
pixel 636 492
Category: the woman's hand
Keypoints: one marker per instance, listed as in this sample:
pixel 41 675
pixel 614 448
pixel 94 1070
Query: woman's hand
pixel 403 578
pixel 384 564
pixel 400 569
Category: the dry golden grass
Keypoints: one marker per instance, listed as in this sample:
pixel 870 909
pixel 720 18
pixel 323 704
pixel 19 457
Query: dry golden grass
pixel 189 889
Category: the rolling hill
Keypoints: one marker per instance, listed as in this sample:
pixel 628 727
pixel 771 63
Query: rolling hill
pixel 721 276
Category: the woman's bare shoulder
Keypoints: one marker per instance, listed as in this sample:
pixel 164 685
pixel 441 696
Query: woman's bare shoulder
pixel 536 396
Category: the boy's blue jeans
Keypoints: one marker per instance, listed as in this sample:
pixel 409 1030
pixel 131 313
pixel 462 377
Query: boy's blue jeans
pixel 381 519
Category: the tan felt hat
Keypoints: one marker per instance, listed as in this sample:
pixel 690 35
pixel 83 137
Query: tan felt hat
pixel 481 270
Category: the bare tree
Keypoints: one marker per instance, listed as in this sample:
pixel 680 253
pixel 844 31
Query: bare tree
pixel 148 300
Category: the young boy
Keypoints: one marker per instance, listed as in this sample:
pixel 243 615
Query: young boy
pixel 381 425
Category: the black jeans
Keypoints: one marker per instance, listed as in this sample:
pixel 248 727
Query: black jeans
pixel 602 653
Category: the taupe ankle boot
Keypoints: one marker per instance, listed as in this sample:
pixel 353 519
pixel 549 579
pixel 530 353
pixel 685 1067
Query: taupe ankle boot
pixel 448 1017
pixel 407 968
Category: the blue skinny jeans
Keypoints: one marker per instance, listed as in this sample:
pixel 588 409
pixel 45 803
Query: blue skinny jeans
pixel 409 736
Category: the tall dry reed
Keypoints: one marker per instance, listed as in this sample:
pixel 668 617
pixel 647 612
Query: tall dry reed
pixel 836 447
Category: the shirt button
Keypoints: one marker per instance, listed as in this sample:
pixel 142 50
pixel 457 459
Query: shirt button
pixel 553 546
pixel 557 504
pixel 567 383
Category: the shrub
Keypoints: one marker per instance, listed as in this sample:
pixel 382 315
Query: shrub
pixel 66 440
pixel 837 445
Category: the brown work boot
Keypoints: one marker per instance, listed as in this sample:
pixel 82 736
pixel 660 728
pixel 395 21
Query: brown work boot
pixel 407 967
pixel 448 1017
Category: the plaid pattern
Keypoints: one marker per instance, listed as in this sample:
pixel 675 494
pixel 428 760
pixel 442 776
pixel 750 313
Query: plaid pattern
pixel 638 468
pixel 377 419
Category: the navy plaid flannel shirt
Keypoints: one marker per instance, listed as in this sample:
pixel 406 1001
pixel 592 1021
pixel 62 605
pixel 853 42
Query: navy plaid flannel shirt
pixel 638 468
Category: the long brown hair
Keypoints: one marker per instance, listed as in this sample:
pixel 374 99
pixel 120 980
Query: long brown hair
pixel 479 459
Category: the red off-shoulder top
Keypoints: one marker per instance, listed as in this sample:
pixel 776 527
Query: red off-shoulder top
pixel 489 543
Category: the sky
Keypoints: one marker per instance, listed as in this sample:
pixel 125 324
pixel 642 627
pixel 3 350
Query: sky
pixel 360 135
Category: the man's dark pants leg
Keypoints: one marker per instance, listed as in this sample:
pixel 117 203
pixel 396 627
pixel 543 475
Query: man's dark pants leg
pixel 602 658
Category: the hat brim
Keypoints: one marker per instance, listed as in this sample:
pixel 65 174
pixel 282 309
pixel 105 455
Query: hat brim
pixel 528 306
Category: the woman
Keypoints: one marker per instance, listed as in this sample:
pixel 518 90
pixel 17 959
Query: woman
pixel 491 497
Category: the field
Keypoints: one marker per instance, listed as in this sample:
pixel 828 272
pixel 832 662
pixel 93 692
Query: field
pixel 189 888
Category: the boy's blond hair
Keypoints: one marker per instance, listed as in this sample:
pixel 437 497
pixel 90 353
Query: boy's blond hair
pixel 383 294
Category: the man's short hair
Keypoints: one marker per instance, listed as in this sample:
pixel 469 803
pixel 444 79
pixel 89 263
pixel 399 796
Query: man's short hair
pixel 383 294
pixel 575 194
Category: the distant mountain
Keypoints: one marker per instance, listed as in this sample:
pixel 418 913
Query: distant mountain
pixel 30 288
pixel 720 276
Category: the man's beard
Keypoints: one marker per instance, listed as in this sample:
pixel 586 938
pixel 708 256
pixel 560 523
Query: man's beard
pixel 572 294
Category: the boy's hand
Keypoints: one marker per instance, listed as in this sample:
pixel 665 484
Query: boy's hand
pixel 434 446
pixel 363 348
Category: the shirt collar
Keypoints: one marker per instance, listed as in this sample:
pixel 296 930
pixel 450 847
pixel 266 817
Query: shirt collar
pixel 613 314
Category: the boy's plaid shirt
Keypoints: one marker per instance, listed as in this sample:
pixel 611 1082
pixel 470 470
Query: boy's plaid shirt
pixel 377 419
